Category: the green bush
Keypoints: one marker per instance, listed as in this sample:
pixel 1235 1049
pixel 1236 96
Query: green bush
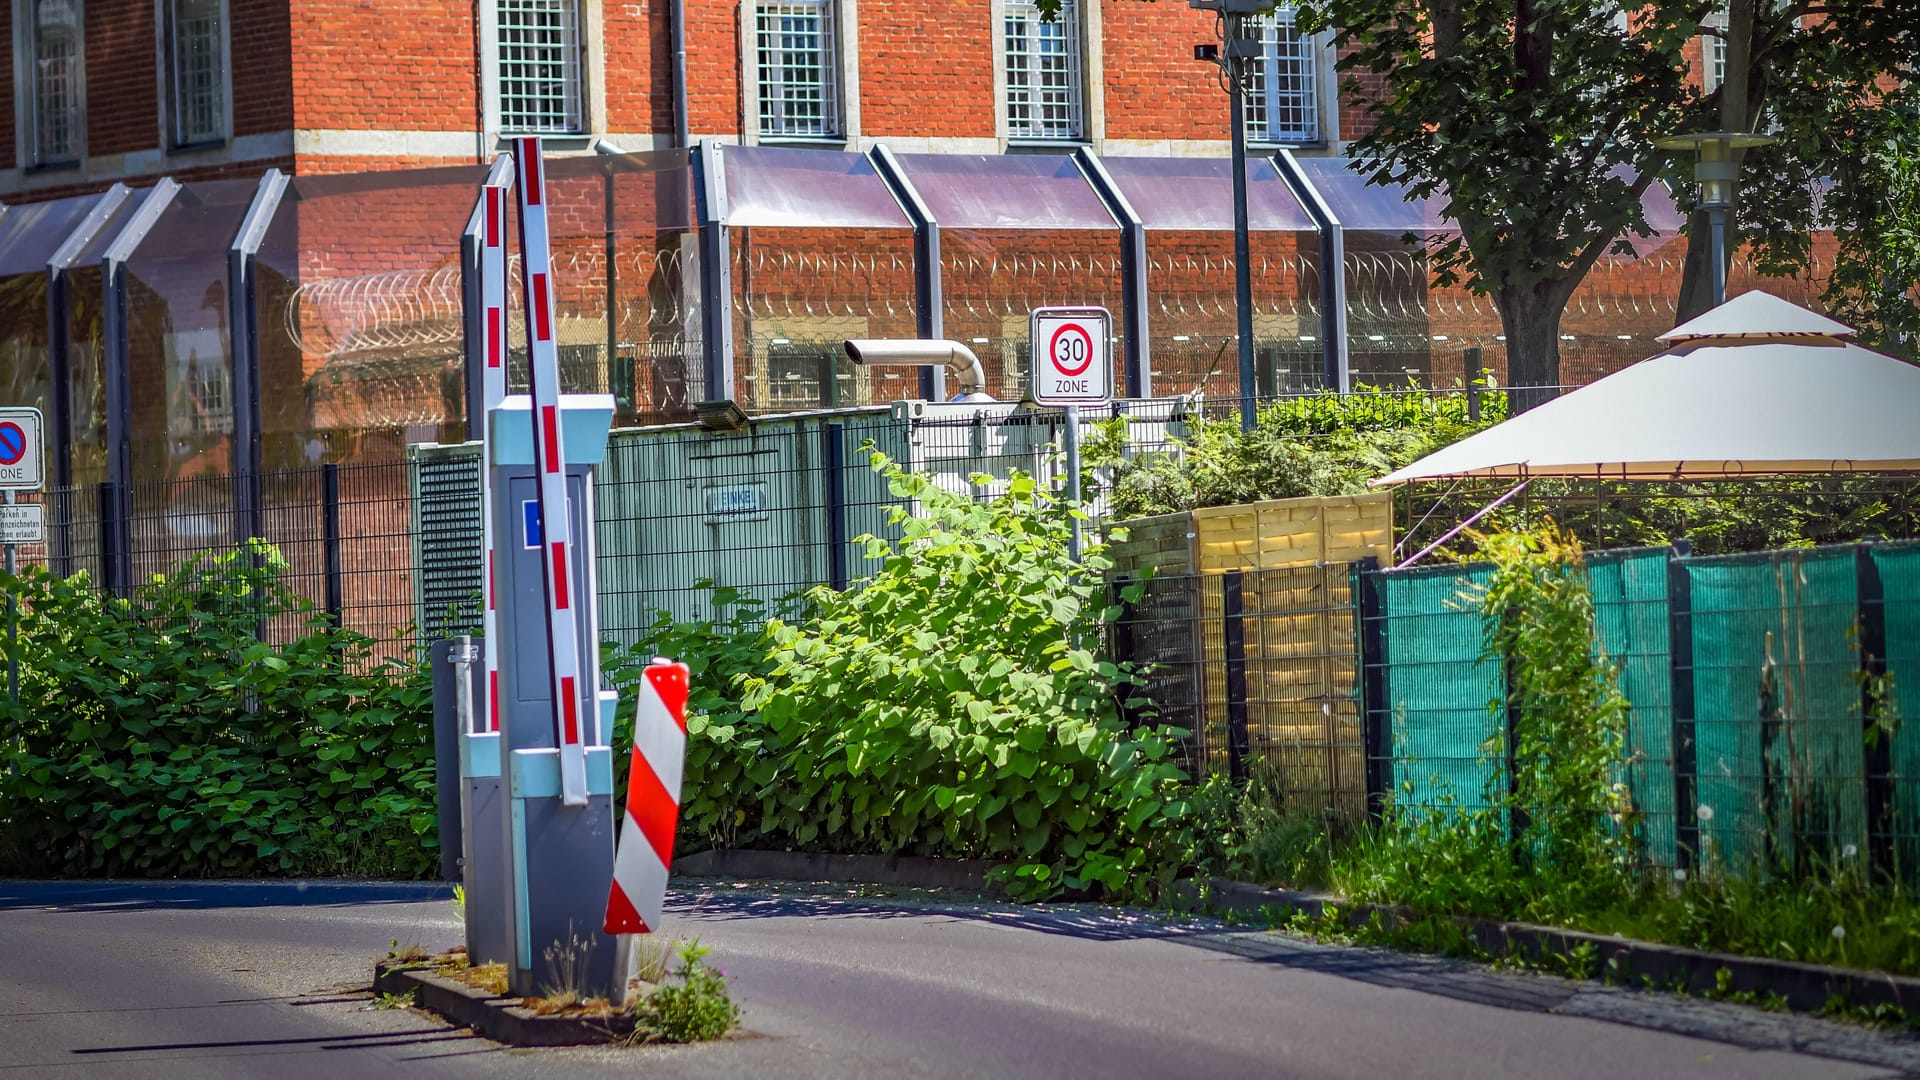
pixel 158 735
pixel 1323 444
pixel 953 704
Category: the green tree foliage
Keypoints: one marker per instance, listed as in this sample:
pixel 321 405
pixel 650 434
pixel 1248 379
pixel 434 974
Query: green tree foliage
pixel 1837 82
pixel 1534 121
pixel 953 704
pixel 159 736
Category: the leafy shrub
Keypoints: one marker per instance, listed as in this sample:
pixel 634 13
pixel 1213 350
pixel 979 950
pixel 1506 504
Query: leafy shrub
pixel 951 705
pixel 697 1008
pixel 1322 444
pixel 159 736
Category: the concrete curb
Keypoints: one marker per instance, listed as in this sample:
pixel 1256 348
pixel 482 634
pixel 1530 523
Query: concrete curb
pixel 1805 987
pixel 498 1018
pixel 904 870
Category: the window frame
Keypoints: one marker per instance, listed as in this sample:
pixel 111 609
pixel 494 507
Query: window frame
pixel 29 148
pixel 833 82
pixel 1073 17
pixel 575 106
pixel 1311 53
pixel 173 135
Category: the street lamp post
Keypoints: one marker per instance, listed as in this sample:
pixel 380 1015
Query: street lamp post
pixel 1716 168
pixel 1238 49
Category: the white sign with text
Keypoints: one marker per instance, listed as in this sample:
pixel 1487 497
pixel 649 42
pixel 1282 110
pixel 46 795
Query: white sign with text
pixel 1072 350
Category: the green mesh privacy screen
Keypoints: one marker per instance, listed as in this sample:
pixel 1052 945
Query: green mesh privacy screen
pixel 1631 615
pixel 1774 765
pixel 1445 699
pixel 1777 705
pixel 1899 569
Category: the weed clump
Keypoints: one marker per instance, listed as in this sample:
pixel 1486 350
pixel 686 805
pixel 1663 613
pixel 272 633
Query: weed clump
pixel 696 1008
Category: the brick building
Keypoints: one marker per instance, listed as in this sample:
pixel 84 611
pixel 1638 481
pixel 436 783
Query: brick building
pixel 386 115
pixel 104 90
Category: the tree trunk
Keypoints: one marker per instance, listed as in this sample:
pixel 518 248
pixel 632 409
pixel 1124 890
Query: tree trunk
pixel 1531 319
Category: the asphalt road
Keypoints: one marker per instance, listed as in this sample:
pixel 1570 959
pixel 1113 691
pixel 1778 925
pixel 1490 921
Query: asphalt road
pixel 187 980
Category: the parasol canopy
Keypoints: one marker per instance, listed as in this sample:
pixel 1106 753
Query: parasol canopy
pixel 1755 387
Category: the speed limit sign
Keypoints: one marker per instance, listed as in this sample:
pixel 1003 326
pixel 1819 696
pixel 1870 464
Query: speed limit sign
pixel 1072 355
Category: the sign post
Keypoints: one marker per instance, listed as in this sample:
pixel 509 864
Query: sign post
pixel 1072 363
pixel 22 460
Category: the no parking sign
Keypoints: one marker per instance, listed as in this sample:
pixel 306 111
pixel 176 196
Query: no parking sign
pixel 20 450
pixel 1072 350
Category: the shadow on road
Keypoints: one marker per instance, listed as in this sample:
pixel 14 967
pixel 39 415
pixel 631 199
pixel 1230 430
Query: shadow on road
pixel 1377 967
pixel 108 896
pixel 1382 967
pixel 318 1042
pixel 1089 922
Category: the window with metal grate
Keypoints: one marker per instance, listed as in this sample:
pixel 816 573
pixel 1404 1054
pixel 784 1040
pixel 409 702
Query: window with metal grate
pixel 55 90
pixel 540 62
pixel 196 62
pixel 1045 95
pixel 797 64
pixel 1283 103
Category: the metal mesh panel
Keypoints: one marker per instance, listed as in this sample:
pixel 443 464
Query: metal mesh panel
pixel 540 66
pixel 1777 706
pixel 797 65
pixel 1792 754
pixel 1631 615
pixel 1898 566
pixel 1283 104
pixel 447 539
pixel 1440 690
pixel 1044 96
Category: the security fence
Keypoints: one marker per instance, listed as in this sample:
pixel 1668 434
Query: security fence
pixel 345 532
pixel 1766 689
pixel 1765 727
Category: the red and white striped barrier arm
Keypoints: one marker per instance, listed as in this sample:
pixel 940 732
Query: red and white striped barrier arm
pixel 493 384
pixel 653 802
pixel 543 379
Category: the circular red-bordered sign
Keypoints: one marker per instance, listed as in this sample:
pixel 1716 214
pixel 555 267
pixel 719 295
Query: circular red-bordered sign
pixel 13 443
pixel 1053 349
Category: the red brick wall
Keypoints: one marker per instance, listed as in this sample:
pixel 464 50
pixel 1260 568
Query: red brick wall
pixel 713 67
pixel 1155 89
pixel 947 47
pixel 260 42
pixel 405 66
pixel 123 112
pixel 639 51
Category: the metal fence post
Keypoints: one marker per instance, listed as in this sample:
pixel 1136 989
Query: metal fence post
pixel 1518 820
pixel 836 462
pixel 1233 625
pixel 111 564
pixel 1120 644
pixel 1376 727
pixel 330 537
pixel 1686 821
pixel 1877 743
pixel 1476 371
